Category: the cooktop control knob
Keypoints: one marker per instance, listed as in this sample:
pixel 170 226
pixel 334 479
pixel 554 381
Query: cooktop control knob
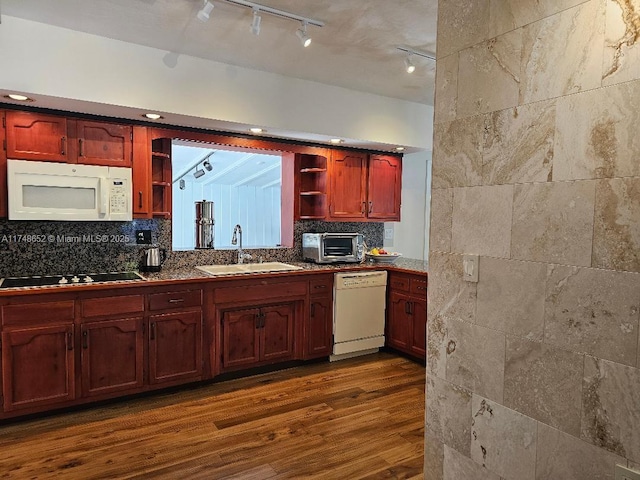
pixel 63 280
pixel 75 279
pixel 87 279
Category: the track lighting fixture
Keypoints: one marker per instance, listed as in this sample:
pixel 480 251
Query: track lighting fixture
pixel 255 24
pixel 301 33
pixel 207 165
pixel 410 66
pixel 182 184
pixel 411 53
pixel 198 173
pixel 203 14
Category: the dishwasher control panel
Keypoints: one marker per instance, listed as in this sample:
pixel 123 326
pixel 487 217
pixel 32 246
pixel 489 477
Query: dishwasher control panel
pixel 360 280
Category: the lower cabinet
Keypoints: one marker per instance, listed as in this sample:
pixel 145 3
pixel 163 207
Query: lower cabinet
pixel 112 356
pixel 318 332
pixel 407 314
pixel 175 346
pixel 257 335
pixel 38 367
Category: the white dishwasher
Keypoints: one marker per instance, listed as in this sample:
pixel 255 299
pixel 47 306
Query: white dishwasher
pixel 358 313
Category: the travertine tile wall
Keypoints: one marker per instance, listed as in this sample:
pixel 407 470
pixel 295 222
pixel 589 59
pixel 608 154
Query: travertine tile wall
pixel 534 372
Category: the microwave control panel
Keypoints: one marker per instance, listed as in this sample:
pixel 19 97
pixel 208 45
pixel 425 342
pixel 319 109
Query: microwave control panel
pixel 118 196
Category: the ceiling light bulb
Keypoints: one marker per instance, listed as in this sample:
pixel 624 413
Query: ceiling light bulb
pixel 256 130
pixel 198 173
pixel 409 64
pixel 153 116
pixel 203 15
pixel 301 33
pixel 255 25
pixel 207 165
pixel 336 140
pixel 399 149
pixel 20 98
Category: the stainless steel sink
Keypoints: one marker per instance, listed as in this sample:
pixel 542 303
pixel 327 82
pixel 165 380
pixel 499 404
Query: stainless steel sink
pixel 265 267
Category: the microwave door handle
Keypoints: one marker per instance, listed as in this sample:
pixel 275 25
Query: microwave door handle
pixel 104 196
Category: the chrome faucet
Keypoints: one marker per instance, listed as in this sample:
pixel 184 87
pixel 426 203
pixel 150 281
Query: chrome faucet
pixel 237 230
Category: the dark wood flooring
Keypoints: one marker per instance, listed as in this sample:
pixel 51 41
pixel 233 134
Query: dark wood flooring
pixel 354 419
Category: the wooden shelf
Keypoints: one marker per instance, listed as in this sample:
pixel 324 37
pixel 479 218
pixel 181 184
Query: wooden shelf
pixel 311 187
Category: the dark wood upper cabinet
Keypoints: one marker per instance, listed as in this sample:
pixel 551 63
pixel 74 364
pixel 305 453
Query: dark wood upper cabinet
pixel 35 136
pixel 364 187
pixel 104 144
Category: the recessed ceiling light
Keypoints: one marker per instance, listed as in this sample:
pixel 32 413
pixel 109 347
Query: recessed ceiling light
pixel 153 116
pixel 19 98
pixel 399 149
pixel 336 140
pixel 257 130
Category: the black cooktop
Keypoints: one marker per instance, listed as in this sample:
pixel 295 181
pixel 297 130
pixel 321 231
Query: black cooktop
pixel 77 279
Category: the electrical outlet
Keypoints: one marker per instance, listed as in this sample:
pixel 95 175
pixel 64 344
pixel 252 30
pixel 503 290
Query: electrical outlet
pixel 470 268
pixel 143 237
pixel 388 233
pixel 624 473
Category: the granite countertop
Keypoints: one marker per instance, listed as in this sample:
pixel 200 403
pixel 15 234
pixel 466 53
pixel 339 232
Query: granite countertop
pixel 186 274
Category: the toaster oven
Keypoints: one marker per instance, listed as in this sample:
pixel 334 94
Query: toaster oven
pixel 333 247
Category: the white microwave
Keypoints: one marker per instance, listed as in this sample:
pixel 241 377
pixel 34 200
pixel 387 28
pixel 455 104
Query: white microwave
pixel 65 191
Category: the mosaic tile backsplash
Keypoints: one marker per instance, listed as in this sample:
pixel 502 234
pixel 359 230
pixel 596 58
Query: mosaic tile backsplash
pixel 50 248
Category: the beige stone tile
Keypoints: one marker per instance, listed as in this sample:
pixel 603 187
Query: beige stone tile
pixel 489 75
pixel 562 54
pixel 593 311
pixel 458 466
pixel 482 220
pixel 441 213
pixel 461 24
pixel 553 222
pixel 503 440
pixel 449 298
pixel 505 15
pixel 475 359
pixel 544 382
pixel 518 145
pixel 448 416
pixel 622 48
pixel 562 456
pixel 511 296
pixel 433 457
pixel 457 153
pixel 610 402
pixel 596 134
pixel 446 89
pixel 616 235
pixel 634 466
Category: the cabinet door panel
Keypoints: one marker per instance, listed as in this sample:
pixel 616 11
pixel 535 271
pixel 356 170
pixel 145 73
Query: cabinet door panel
pixel 141 173
pixel 277 332
pixel 3 170
pixel 240 337
pixel 37 366
pixel 319 327
pixel 33 136
pixel 348 185
pixel 399 322
pixel 419 314
pixel 112 356
pixel 104 144
pixel 384 185
pixel 175 346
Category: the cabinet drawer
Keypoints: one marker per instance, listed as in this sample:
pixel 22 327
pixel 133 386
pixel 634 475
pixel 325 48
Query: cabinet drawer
pixel 96 307
pixel 259 292
pixel 399 283
pixel 184 298
pixel 321 286
pixel 38 313
pixel 419 287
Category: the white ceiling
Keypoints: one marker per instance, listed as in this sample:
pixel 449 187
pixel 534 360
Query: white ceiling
pixel 356 48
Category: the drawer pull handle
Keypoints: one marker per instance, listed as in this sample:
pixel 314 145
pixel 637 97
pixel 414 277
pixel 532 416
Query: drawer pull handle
pixel 320 286
pixel 370 207
pixel 81 147
pixel 140 199
pixel 85 339
pixel 176 300
pixel 63 146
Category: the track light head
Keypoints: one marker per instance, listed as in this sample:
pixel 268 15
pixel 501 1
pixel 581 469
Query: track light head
pixel 409 65
pixel 301 33
pixel 182 184
pixel 198 173
pixel 203 14
pixel 255 24
pixel 207 165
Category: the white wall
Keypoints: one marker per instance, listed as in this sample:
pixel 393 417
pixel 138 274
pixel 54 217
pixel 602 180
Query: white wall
pixel 410 235
pixel 57 62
